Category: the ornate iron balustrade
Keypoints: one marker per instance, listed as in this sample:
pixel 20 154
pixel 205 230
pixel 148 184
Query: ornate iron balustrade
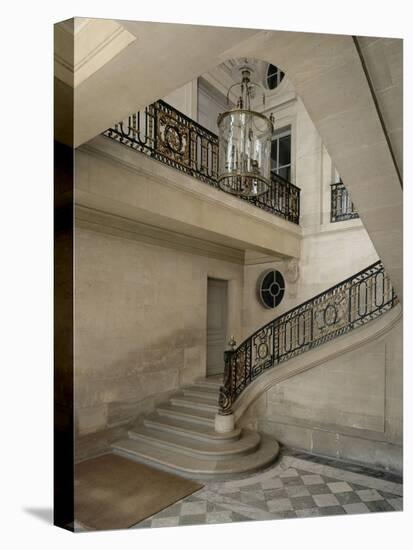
pixel 165 134
pixel 342 207
pixel 336 311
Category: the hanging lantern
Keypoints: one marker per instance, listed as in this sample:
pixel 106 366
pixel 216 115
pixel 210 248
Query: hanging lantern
pixel 244 145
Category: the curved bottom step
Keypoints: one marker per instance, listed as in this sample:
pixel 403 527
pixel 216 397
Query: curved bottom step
pixel 196 467
pixel 189 429
pixel 221 450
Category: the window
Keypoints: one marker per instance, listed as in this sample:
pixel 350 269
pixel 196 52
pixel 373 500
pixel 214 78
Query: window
pixel 342 207
pixel 274 77
pixel 281 153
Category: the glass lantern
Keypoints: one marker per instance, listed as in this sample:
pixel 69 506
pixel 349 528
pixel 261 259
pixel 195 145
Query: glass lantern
pixel 244 147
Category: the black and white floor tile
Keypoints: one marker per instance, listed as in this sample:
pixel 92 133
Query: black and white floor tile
pixel 296 487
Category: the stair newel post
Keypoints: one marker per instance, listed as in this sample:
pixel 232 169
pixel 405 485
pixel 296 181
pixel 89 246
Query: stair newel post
pixel 224 420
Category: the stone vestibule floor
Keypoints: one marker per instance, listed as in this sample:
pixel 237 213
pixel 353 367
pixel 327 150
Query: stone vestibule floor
pixel 297 486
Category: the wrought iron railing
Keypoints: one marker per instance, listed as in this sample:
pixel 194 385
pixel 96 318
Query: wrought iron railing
pixel 165 134
pixel 336 311
pixel 342 207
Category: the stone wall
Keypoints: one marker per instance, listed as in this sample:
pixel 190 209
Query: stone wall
pixel 328 256
pixel 348 408
pixel 140 328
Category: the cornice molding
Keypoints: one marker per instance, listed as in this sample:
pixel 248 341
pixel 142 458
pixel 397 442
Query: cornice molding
pixel 77 58
pixel 118 226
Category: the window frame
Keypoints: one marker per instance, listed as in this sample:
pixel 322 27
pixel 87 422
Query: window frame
pixel 276 136
pixel 279 73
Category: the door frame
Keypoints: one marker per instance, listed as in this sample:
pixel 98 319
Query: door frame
pixel 228 316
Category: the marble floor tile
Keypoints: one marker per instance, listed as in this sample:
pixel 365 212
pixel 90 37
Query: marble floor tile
pixel 379 506
pixel 308 512
pixel 274 483
pixel 289 481
pixel 339 487
pixel 356 508
pixel 288 514
pixel 165 522
pixel 192 519
pixel 301 503
pixel 192 508
pixel 294 487
pixel 318 489
pixel 253 495
pixel 325 500
pixel 297 491
pixel 312 479
pixel 279 505
pixel 271 494
pixel 347 498
pixel 289 472
pixel 332 511
pixel 219 517
pixel 397 503
pixel 367 495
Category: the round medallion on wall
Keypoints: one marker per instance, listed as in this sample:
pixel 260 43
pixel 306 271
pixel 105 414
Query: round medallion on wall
pixel 330 315
pixel 173 139
pixel 271 288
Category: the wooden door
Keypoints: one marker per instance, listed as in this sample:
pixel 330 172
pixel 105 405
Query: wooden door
pixel 216 325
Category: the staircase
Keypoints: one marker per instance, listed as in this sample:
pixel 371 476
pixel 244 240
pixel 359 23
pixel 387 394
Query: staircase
pixel 180 437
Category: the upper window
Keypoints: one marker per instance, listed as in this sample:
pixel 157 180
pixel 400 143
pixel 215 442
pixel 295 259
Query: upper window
pixel 342 207
pixel 281 153
pixel 274 77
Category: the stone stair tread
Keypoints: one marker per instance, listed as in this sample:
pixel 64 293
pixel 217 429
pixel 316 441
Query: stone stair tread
pixel 212 383
pixel 196 467
pixel 180 437
pixel 221 448
pixel 188 428
pixel 200 391
pixel 188 412
pixel 194 401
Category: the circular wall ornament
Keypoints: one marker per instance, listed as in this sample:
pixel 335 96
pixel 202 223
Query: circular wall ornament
pixel 330 315
pixel 271 288
pixel 173 139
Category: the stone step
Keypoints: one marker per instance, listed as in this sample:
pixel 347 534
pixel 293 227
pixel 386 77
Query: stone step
pixel 202 392
pixel 192 414
pixel 198 468
pixel 198 403
pixel 221 450
pixel 187 428
pixel 213 383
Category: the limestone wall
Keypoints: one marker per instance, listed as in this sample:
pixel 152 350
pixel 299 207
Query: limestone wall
pixel 349 407
pixel 140 328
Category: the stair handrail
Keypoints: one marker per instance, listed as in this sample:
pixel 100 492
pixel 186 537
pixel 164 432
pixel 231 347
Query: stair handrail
pixel 165 134
pixel 336 311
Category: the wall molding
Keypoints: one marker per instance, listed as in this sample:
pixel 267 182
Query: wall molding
pixel 103 147
pixel 111 224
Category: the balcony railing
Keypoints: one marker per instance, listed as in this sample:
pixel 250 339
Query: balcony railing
pixel 165 134
pixel 336 311
pixel 341 206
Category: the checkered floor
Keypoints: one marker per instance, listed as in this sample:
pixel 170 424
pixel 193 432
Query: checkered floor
pixel 293 488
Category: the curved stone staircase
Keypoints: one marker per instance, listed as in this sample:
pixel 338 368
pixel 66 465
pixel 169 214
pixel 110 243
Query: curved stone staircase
pixel 180 437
